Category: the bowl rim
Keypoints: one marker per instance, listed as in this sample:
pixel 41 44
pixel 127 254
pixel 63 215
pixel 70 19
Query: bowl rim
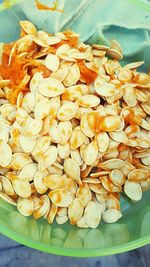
pixel 73 252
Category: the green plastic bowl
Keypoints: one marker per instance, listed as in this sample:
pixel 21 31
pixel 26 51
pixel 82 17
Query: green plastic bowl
pixel 133 229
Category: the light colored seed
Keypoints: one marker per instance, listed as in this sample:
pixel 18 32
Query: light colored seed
pixel 99 174
pixel 114 54
pixel 51 40
pixel 42 145
pixel 75 155
pixel 28 27
pixel 72 170
pixel 115 45
pixel 112 164
pixel 91 180
pixel 146 160
pixel 31 126
pixel 75 211
pixel 112 202
pixel 22 188
pixel 61 197
pixel 92 214
pixel 74 92
pixel 43 209
pixel 63 150
pixel 141 154
pixel 62 219
pixel 52 62
pixel 84 194
pixel 77 138
pixel 65 131
pixel 117 177
pixel 26 144
pixel 82 223
pixel 109 186
pixel 98 53
pixel 67 111
pixel 20 160
pixel 127 168
pixel 85 170
pixel 90 153
pixel 123 152
pixel 27 173
pixel 120 136
pixel 84 167
pixel 101 198
pixel 38 182
pixel 110 124
pixel 132 131
pixel 141 95
pixel 41 109
pixel 130 96
pixel 102 141
pixel 133 190
pixel 111 155
pixel 7 199
pixel 7 187
pixel 138 175
pixel 89 101
pixel 25 206
pixel 51 87
pixel 35 81
pixel 39 42
pixel 54 134
pixel 71 186
pixel 6 151
pixel 113 145
pixel 134 65
pixel 111 215
pixel 54 104
pixel 4 133
pixel 7 109
pixel 105 89
pixel 63 49
pixel 48 158
pixel 72 76
pixel 21 115
pixel 60 74
pixel 101 206
pixel 145 124
pixel 57 164
pixel 100 47
pixel 54 170
pixel 97 188
pixel 62 211
pixel 28 103
pixel 52 213
pixel 85 126
pixel 54 181
pixel 146 107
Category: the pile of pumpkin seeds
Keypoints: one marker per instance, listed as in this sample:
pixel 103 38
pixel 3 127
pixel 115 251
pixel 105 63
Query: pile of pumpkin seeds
pixel 75 140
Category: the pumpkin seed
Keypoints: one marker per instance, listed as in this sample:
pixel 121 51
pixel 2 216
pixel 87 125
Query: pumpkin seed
pixel 92 214
pixel 111 215
pixel 60 197
pixel 133 190
pixel 25 206
pixel 75 211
